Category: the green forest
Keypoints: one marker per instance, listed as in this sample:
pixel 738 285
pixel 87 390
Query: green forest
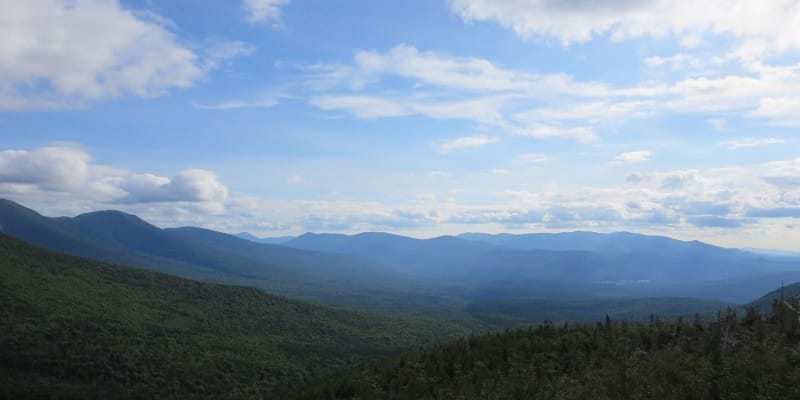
pixel 750 356
pixel 72 328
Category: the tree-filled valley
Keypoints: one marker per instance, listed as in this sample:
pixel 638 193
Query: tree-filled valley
pixel 76 326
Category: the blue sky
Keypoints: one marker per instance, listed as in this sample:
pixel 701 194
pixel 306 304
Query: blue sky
pixel 416 117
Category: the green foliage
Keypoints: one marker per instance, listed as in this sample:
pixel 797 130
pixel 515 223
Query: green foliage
pixel 521 312
pixel 764 303
pixel 730 358
pixel 74 328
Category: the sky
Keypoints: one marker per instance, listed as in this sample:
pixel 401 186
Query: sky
pixel 422 118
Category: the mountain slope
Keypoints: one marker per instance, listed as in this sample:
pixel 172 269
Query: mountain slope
pixel 121 238
pixel 75 328
pixel 520 312
pixel 744 358
pixel 764 302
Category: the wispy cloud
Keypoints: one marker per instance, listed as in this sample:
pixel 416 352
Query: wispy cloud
pixel 633 156
pixel 750 142
pixel 259 11
pixel 466 142
pixel 620 20
pixel 297 180
pixel 237 104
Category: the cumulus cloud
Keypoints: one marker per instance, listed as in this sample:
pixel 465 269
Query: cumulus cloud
pixel 52 167
pixel 95 50
pixel 68 170
pixel 264 10
pixel 634 156
pixel 466 142
pixel 193 185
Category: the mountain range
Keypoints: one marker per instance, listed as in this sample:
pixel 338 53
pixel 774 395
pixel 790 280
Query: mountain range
pixel 446 275
pixel 80 327
pixel 572 265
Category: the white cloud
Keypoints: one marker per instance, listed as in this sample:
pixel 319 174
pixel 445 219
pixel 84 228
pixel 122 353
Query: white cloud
pixel 197 185
pixel 461 73
pixel 52 167
pixel 438 70
pixel 684 61
pixel 533 158
pixel 592 111
pixel 193 185
pixel 703 79
pixel 439 174
pixel 466 142
pixel 449 87
pixel 442 86
pixel 634 156
pixel 237 104
pixel 750 142
pixel 94 50
pixel 264 10
pixel 481 110
pixel 783 111
pixel 68 170
pixel 542 131
pixel 365 107
pixel 581 21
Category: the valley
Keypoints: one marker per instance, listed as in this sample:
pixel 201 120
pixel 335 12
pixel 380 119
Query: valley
pixel 81 327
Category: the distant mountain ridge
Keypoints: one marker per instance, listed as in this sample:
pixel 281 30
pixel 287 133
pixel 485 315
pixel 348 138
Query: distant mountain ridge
pixel 266 240
pixel 612 243
pixel 434 257
pixel 576 257
pixel 388 272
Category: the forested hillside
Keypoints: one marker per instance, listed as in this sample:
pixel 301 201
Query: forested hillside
pixel 730 357
pixel 75 328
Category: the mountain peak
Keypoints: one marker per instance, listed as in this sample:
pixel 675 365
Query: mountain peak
pixel 112 217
